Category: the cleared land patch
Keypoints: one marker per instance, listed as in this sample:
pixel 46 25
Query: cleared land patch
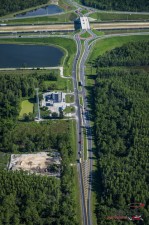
pixel 26 107
pixel 39 163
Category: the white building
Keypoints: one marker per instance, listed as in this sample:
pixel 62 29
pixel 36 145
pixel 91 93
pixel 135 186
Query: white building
pixel 55 101
pixel 85 23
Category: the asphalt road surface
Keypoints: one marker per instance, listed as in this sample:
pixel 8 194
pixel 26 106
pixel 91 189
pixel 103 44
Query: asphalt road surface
pixel 66 27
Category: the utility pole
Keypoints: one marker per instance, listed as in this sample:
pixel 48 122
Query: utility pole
pixel 37 99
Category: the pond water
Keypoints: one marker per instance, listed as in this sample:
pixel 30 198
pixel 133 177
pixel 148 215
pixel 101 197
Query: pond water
pixel 15 56
pixel 50 9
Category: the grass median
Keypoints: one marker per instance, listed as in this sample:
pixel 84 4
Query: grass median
pixel 99 16
pixel 110 43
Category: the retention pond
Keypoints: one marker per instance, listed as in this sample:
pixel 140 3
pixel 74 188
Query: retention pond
pixel 16 56
pixel 47 10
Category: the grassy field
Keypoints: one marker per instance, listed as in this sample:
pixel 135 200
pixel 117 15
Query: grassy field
pixel 28 72
pixel 125 31
pixel 67 45
pixel 61 84
pixel 110 43
pixel 4 160
pixel 85 35
pixel 84 11
pixel 66 17
pixel 65 5
pixel 115 16
pixel 98 33
pixel 78 197
pixel 69 109
pixel 69 98
pixel 81 100
pixel 26 108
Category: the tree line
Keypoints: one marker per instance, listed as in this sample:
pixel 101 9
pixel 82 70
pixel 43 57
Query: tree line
pixel 124 5
pixel 30 199
pixel 15 87
pixel 39 200
pixel 8 6
pixel 121 106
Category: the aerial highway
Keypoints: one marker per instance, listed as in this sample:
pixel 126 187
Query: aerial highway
pixel 70 27
pixel 84 165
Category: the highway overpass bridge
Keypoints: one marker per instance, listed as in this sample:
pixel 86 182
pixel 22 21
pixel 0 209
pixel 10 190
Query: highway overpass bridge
pixel 70 27
pixel 84 23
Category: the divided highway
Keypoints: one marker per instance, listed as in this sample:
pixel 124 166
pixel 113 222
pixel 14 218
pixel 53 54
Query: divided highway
pixel 83 120
pixel 70 27
pixel 84 166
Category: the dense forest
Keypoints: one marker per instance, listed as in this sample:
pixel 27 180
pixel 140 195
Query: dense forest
pixel 8 6
pixel 123 5
pixel 15 87
pixel 31 199
pixel 39 200
pixel 121 100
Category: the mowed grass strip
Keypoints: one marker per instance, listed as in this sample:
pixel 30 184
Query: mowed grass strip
pixel 85 35
pixel 60 84
pixel 118 16
pixel 26 108
pixel 63 18
pixel 108 44
pixel 69 98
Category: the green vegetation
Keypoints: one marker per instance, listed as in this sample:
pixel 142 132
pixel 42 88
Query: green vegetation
pixel 38 199
pixel 59 84
pixel 85 35
pixel 98 33
pixel 84 11
pixel 81 100
pixel 128 31
pixel 66 17
pixel 118 16
pixel 4 160
pixel 26 108
pixel 110 43
pixel 21 86
pixel 120 114
pixel 9 6
pixel 68 45
pixel 34 137
pixel 69 109
pixel 26 137
pixel 65 5
pixel 124 5
pixel 69 98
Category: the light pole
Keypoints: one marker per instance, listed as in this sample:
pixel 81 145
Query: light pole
pixel 37 99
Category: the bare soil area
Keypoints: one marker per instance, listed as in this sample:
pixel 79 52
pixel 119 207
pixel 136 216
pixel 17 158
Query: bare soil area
pixel 36 163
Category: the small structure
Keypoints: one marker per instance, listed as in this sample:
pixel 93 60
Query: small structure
pixel 85 23
pixel 55 101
